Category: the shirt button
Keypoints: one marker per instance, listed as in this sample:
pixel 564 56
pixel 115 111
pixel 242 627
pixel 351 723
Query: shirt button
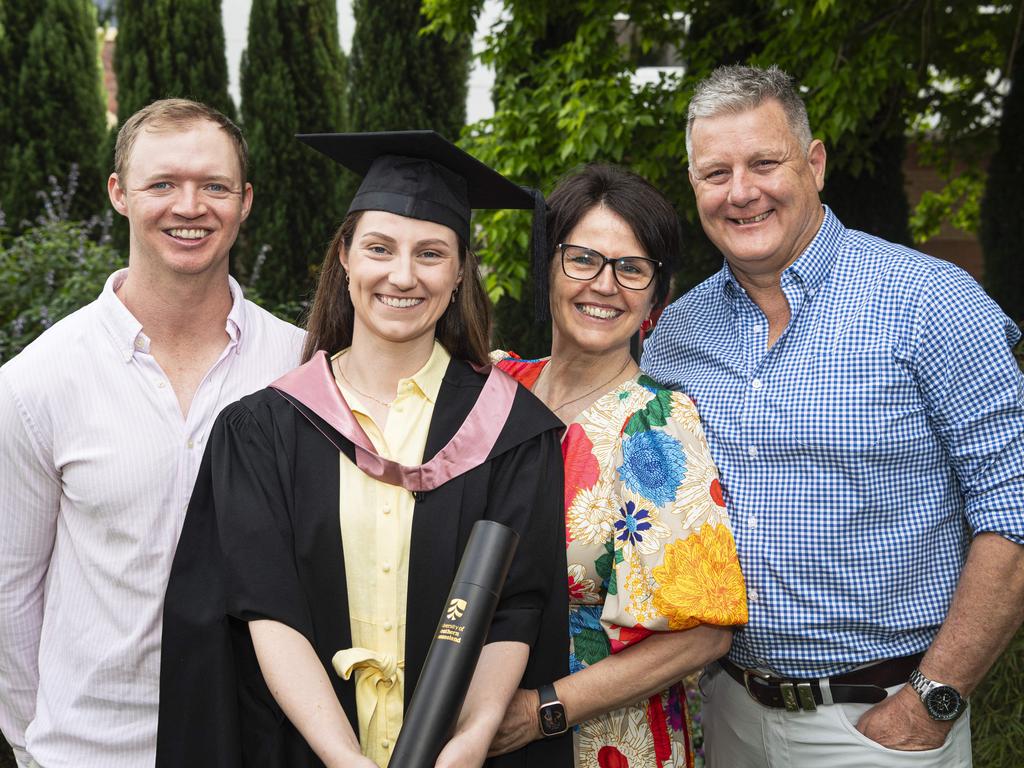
pixel 386 567
pixel 756 383
pixel 385 743
pixel 191 444
pixel 756 328
pixel 752 521
pixel 386 509
pixel 752 451
pixel 752 595
pixel 160 385
pixel 140 343
pixel 388 626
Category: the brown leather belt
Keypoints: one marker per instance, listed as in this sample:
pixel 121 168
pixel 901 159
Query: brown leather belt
pixel 861 686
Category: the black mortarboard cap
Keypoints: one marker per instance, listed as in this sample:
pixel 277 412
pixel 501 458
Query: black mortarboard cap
pixel 422 175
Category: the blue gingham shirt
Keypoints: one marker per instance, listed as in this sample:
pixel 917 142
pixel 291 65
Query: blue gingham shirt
pixel 859 454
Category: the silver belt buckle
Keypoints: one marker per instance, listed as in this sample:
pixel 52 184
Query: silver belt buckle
pixel 795 696
pixel 806 696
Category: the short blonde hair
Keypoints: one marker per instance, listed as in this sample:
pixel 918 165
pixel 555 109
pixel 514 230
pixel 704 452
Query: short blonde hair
pixel 176 113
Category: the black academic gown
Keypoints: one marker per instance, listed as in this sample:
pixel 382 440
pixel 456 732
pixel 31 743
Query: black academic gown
pixel 262 540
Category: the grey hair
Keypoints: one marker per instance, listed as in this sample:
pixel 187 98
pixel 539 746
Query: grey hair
pixel 735 89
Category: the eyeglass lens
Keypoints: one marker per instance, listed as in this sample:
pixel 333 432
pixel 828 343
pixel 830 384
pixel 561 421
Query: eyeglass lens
pixel 582 263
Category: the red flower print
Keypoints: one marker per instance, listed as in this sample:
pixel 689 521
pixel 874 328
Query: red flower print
pixel 581 470
pixel 576 590
pixel 627 636
pixel 716 493
pixel 610 757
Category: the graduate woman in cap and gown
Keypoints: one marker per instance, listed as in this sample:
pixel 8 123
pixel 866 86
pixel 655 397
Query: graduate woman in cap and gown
pixel 332 508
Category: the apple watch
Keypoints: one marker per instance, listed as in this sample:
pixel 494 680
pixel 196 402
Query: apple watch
pixel 551 712
pixel 942 702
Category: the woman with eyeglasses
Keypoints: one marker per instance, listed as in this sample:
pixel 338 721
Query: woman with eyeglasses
pixel 654 583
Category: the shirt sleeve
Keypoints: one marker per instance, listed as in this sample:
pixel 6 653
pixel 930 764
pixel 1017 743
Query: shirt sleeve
pixel 672 563
pixel 29 503
pixel 526 493
pixel 973 390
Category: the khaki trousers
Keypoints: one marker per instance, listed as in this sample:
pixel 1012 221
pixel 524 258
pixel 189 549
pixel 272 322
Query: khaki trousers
pixel 740 733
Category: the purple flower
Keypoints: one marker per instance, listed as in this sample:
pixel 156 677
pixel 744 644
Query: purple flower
pixel 632 523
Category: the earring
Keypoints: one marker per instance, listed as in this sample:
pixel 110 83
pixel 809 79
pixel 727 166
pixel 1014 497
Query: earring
pixel 455 293
pixel 347 278
pixel 647 325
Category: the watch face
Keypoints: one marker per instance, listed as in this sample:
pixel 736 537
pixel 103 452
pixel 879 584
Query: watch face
pixel 552 719
pixel 943 703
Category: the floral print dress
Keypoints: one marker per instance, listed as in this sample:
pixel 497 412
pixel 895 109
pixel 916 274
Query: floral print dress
pixel 649 549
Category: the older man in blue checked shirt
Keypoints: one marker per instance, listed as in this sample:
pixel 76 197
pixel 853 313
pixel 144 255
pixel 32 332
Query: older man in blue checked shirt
pixel 867 416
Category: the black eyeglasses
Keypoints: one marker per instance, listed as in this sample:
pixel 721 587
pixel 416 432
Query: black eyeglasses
pixel 632 272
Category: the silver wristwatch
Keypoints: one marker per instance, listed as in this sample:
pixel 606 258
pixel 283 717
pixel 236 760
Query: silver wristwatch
pixel 942 702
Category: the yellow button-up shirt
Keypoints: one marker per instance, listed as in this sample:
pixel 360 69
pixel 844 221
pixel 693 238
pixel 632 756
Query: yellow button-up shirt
pixel 376 523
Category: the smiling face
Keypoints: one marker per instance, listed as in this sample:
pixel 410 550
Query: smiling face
pixel 757 190
pixel 597 316
pixel 183 194
pixel 402 273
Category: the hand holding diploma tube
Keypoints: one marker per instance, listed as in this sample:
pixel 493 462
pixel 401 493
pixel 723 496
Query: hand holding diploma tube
pixel 455 649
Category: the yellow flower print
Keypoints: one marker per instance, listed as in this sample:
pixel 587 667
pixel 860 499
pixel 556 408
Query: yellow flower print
pixel 700 581
pixel 685 414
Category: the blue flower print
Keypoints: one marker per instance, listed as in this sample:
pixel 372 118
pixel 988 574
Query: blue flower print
pixel 632 524
pixel 653 465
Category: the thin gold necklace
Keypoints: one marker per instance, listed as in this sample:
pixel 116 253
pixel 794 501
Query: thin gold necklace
pixel 618 373
pixel 385 403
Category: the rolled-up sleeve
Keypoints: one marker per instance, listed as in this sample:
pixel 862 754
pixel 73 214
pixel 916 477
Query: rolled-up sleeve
pixel 974 392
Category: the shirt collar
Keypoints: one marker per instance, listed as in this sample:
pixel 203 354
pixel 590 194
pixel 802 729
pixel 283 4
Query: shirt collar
pixel 428 378
pixel 127 332
pixel 812 266
pixel 815 263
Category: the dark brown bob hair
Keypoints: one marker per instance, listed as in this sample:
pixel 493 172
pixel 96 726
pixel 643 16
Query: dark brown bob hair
pixel 651 217
pixel 464 329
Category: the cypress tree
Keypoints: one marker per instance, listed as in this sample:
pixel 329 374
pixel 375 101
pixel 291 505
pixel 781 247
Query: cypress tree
pixel 170 48
pixel 400 79
pixel 292 82
pixel 52 112
pixel 1002 225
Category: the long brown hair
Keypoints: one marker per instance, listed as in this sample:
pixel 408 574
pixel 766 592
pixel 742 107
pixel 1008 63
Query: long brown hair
pixel 464 329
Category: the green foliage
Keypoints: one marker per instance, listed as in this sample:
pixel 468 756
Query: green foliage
pixel 997 711
pixel 872 70
pixel 958 202
pixel 292 82
pixel 50 270
pixel 170 49
pixel 401 77
pixel 1002 225
pixel 51 104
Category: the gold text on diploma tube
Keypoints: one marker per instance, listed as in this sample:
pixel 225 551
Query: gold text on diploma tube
pixel 452 629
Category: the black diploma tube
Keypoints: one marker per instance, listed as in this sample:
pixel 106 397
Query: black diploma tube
pixel 455 649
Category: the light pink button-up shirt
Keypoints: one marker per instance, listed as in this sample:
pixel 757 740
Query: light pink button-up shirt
pixel 96 468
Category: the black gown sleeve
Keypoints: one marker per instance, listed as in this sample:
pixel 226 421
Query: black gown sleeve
pixel 234 563
pixel 526 495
